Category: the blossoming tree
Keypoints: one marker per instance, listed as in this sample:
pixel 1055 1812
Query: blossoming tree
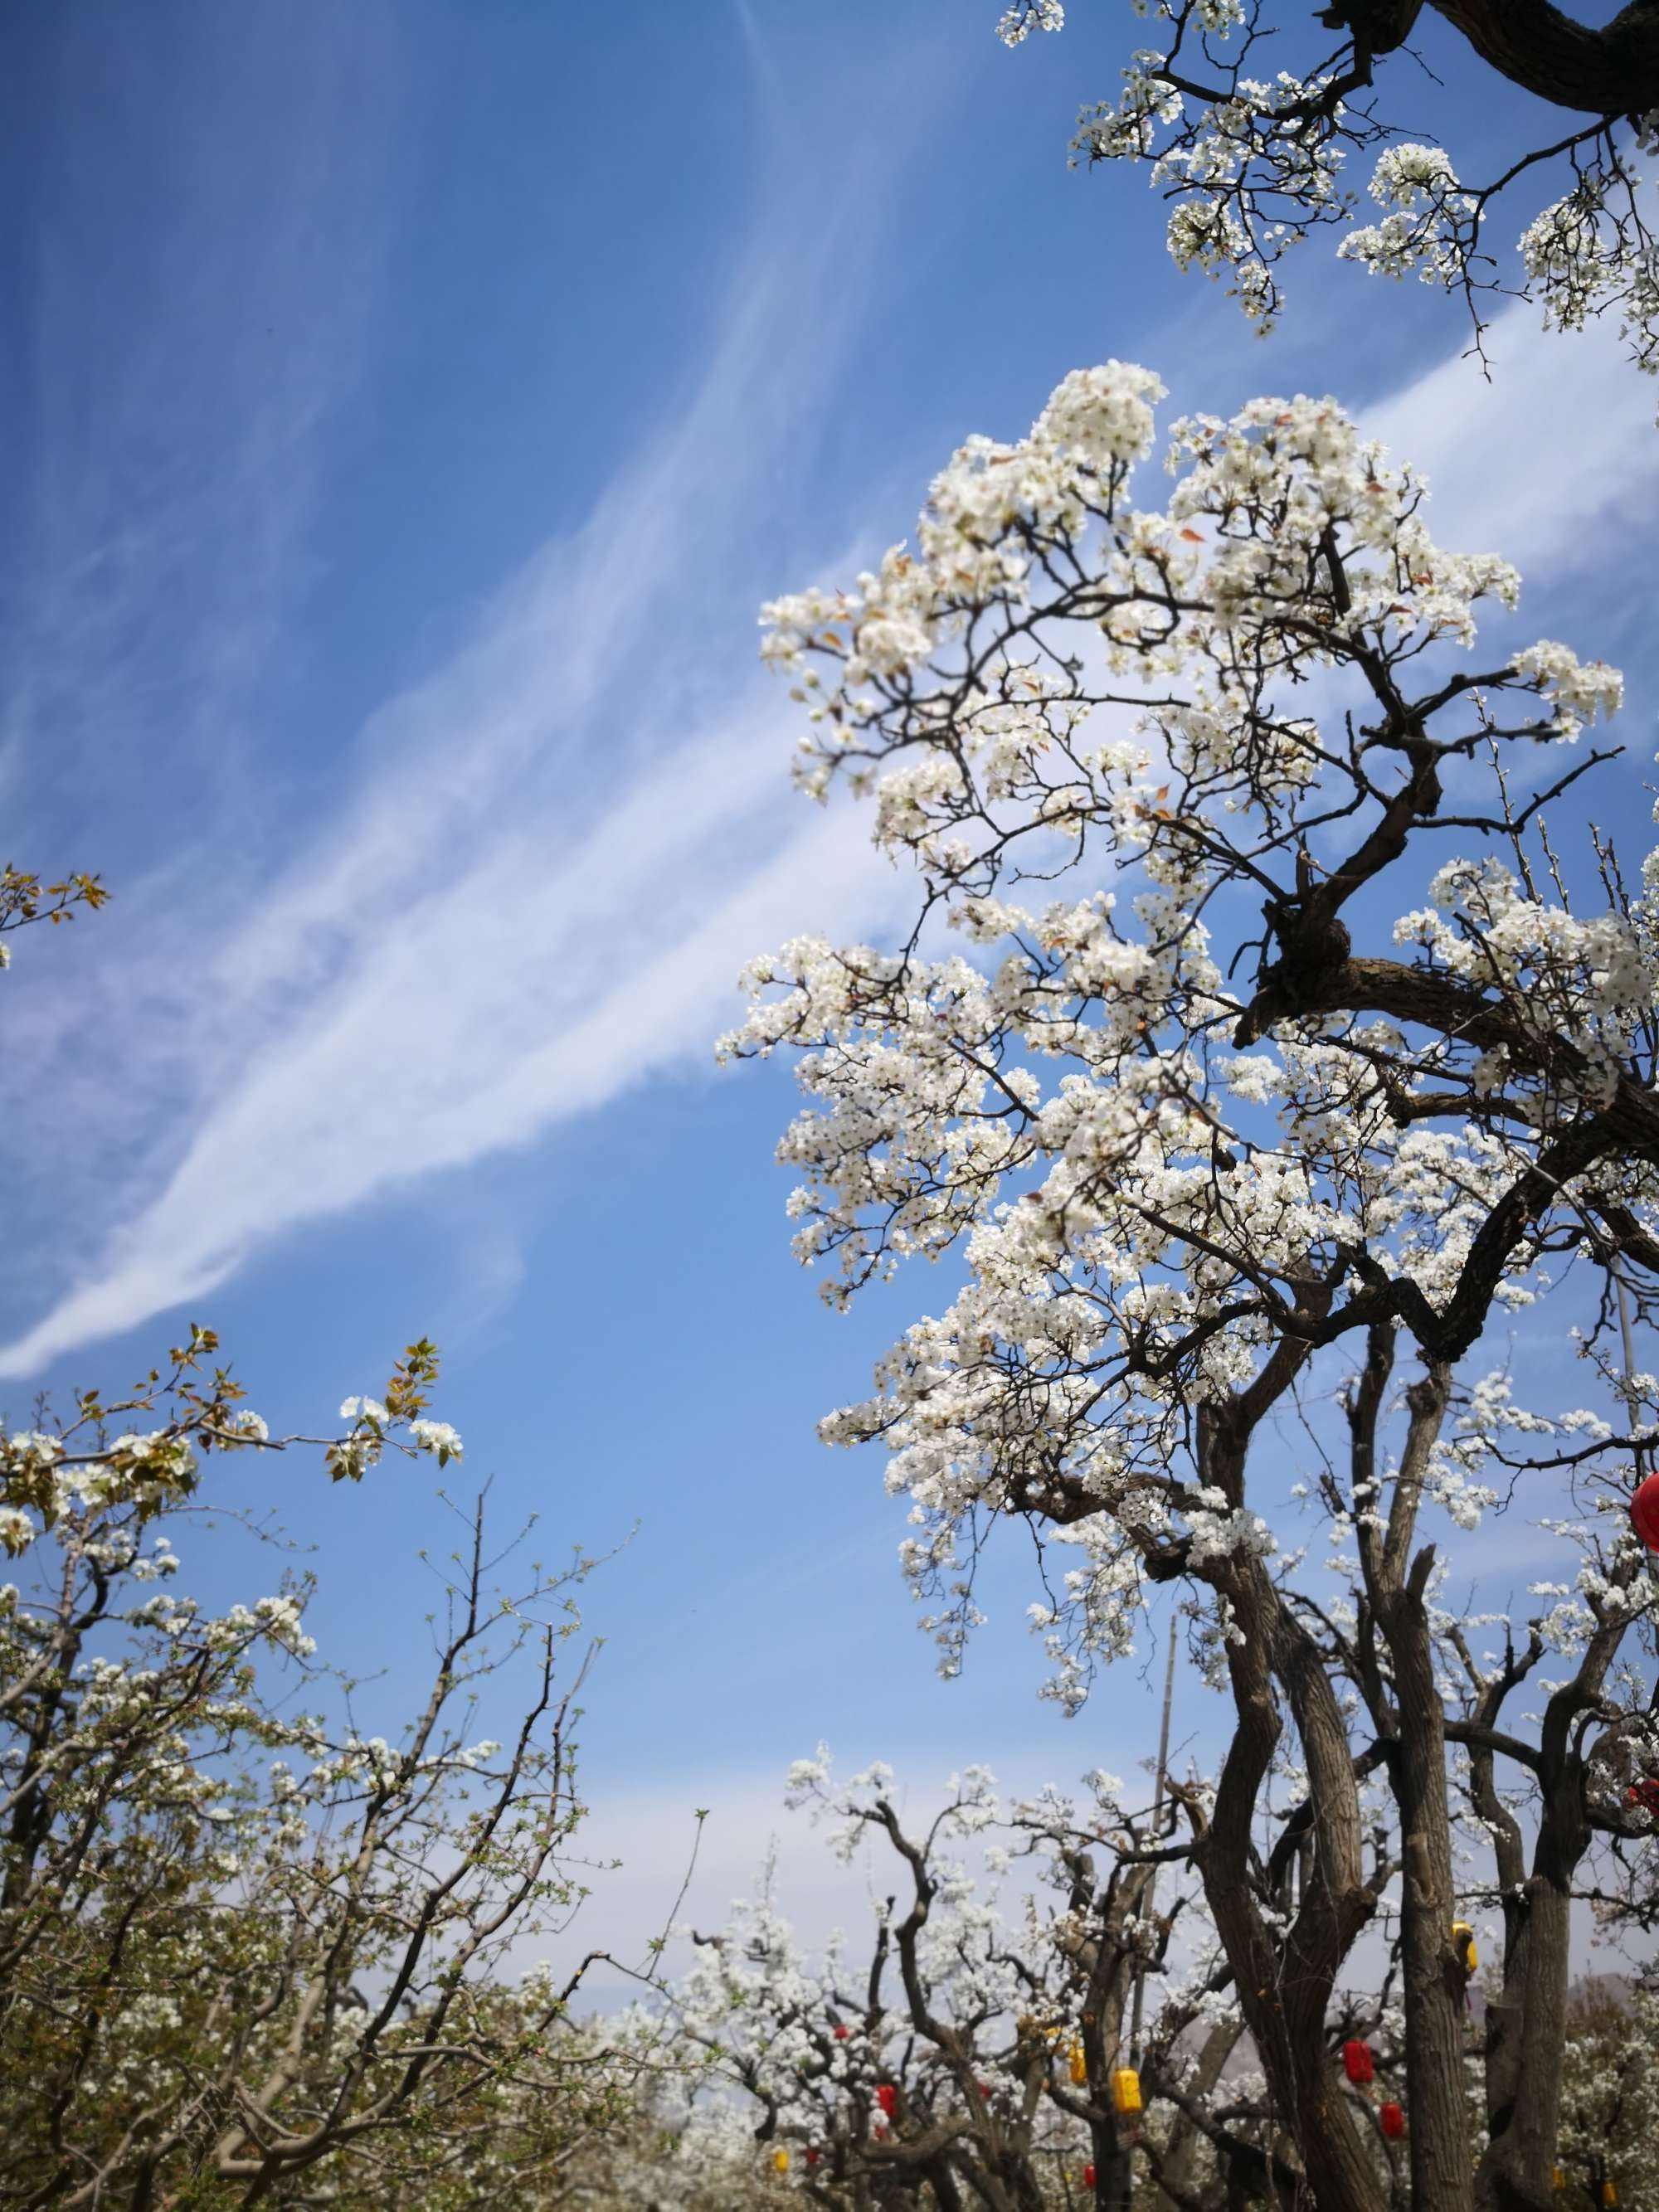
pixel 971 2050
pixel 1245 115
pixel 967 2049
pixel 248 1952
pixel 1610 2116
pixel 1283 1058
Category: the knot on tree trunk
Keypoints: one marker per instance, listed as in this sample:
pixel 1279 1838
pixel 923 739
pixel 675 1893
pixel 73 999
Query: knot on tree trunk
pixel 1354 1910
pixel 1313 950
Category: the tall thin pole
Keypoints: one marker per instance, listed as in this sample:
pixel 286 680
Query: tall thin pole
pixel 1121 2192
pixel 1157 1808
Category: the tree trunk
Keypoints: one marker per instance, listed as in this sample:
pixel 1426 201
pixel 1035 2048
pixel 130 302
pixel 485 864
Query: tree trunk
pixel 1279 1996
pixel 1435 1991
pixel 1505 2016
pixel 1114 2189
pixel 1515 2174
pixel 1285 1984
pixel 1176 2168
pixel 1613 71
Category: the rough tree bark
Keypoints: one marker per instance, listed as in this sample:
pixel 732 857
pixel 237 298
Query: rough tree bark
pixel 1612 70
pixel 1524 2074
pixel 1285 1991
pixel 1414 1723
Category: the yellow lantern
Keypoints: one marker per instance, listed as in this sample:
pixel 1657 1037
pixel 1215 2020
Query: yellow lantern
pixel 1558 2177
pixel 1609 2192
pixel 780 2162
pixel 1077 2065
pixel 1126 2092
pixel 1462 1937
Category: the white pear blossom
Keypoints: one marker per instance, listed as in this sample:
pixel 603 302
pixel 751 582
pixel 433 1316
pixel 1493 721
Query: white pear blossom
pixel 1277 1063
pixel 1253 164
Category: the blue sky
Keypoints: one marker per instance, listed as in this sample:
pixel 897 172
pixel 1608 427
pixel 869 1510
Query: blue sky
pixel 410 406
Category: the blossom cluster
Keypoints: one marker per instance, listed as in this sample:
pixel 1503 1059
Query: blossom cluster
pixel 1253 165
pixel 1056 683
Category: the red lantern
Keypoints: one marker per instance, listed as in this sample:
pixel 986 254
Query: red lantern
pixel 984 2088
pixel 812 2157
pixel 887 2098
pixel 1392 2121
pixel 1644 1511
pixel 1356 2063
pixel 841 2033
pixel 1088 2177
pixel 1644 1794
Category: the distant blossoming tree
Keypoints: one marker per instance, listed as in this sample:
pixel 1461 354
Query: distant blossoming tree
pixel 969 2049
pixel 1245 114
pixel 247 1952
pixel 1610 2102
pixel 788 2028
pixel 1283 1055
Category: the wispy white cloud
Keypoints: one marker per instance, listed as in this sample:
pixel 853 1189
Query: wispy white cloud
pixel 1547 461
pixel 190 336
pixel 476 1023
pixel 558 850
pixel 560 847
pixel 198 287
